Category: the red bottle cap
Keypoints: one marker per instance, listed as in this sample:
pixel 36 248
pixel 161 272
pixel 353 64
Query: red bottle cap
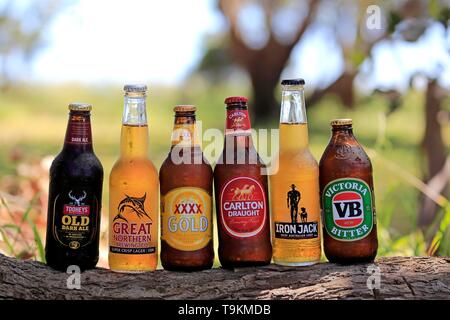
pixel 232 100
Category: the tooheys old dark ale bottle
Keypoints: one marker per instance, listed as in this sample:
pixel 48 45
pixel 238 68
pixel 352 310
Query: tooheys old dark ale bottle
pixel 348 204
pixel 75 197
pixel 186 199
pixel 241 194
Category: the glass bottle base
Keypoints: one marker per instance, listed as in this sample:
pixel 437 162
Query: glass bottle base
pixel 294 264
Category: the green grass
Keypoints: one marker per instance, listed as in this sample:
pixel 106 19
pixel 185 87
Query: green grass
pixel 34 118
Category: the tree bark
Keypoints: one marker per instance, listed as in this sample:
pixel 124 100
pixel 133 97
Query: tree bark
pixel 434 149
pixel 400 278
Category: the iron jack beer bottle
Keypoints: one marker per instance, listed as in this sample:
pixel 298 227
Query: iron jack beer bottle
pixel 133 187
pixel 186 199
pixel 348 204
pixel 75 197
pixel 241 194
pixel 295 186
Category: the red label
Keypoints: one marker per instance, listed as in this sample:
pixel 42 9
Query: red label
pixel 243 207
pixel 347 209
pixel 79 130
pixel 76 210
pixel 238 119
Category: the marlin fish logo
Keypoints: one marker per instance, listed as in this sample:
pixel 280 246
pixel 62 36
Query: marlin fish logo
pixel 136 205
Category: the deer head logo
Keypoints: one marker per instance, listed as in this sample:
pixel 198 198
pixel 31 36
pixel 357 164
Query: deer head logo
pixel 79 199
pixel 135 206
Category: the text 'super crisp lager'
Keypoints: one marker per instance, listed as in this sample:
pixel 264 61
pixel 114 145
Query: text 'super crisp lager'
pixel 133 199
pixel 295 185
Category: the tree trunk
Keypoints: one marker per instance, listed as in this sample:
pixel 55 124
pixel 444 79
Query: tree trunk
pixel 400 278
pixel 434 149
pixel 264 103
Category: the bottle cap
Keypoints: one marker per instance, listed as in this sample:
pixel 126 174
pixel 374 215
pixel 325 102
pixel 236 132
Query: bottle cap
pixel 341 122
pixel 184 108
pixel 232 100
pixel 80 106
pixel 293 82
pixel 137 88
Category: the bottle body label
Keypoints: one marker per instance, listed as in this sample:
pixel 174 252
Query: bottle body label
pixel 348 209
pixel 186 218
pixel 131 229
pixel 76 214
pixel 243 210
pixel 296 217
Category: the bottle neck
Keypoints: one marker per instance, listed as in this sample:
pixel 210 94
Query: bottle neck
pixel 78 134
pixel 342 133
pixel 293 122
pixel 238 127
pixel 185 133
pixel 134 135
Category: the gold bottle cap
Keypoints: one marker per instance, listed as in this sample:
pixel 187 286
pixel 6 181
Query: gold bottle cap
pixel 185 108
pixel 341 122
pixel 80 106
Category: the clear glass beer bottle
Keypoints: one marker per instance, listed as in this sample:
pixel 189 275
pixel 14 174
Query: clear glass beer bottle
pixel 134 192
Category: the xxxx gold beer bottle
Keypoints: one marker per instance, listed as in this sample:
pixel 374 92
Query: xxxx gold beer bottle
pixel 186 199
pixel 295 186
pixel 133 187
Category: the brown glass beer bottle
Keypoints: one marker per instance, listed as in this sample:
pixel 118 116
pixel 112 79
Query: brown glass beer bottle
pixel 186 199
pixel 75 197
pixel 241 194
pixel 347 198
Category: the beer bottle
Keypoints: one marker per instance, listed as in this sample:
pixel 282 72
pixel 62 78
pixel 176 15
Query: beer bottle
pixel 241 194
pixel 186 199
pixel 75 197
pixel 294 188
pixel 348 205
pixel 133 187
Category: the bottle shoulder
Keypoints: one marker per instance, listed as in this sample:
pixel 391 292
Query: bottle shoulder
pixel 134 167
pixel 85 165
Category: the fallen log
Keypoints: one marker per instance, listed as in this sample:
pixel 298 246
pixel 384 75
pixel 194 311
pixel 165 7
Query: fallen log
pixel 387 278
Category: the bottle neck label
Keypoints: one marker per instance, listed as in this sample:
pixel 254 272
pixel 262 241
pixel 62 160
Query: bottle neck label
pixel 184 135
pixel 79 130
pixel 238 120
pixel 348 209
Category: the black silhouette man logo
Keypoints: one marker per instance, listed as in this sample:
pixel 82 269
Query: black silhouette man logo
pixel 293 199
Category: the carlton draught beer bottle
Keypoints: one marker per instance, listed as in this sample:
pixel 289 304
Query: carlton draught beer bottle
pixel 295 186
pixel 133 187
pixel 75 197
pixel 241 194
pixel 186 199
pixel 348 204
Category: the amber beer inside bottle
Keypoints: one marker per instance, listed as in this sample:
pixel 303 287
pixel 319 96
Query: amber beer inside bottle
pixel 295 185
pixel 75 197
pixel 241 194
pixel 348 204
pixel 133 199
pixel 186 199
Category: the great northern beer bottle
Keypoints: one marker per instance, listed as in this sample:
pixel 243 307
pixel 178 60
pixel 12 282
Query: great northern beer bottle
pixel 241 194
pixel 133 187
pixel 348 204
pixel 75 197
pixel 186 180
pixel 295 186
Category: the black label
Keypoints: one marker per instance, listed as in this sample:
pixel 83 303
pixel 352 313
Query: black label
pixel 75 217
pixel 306 230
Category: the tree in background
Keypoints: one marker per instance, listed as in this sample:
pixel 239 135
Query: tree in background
pixel 22 32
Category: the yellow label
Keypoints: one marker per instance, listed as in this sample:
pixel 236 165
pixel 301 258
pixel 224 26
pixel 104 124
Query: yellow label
pixel 295 207
pixel 186 218
pixel 184 135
